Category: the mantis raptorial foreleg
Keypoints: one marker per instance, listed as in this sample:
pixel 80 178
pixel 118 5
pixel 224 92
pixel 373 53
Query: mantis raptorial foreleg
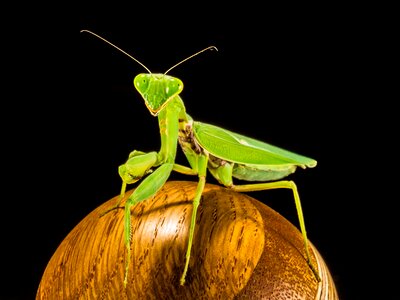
pixel 138 165
pixel 286 184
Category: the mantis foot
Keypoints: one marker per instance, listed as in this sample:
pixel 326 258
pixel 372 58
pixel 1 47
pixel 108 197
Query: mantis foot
pixel 314 270
pixel 110 209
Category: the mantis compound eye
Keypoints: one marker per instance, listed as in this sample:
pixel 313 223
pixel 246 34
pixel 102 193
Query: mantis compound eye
pixel 141 82
pixel 173 87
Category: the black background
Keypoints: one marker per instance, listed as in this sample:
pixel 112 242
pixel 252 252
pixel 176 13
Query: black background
pixel 295 77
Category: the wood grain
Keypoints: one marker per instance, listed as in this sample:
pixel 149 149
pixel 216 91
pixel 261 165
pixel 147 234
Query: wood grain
pixel 242 249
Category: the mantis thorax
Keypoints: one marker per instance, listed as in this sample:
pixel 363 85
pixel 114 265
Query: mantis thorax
pixel 157 90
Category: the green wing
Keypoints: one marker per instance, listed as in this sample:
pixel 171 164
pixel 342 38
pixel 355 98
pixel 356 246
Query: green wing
pixel 241 149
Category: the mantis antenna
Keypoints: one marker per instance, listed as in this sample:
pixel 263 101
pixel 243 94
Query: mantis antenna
pixel 187 58
pixel 147 69
pixel 111 44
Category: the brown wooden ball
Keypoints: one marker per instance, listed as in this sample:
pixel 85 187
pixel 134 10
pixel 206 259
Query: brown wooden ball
pixel 242 249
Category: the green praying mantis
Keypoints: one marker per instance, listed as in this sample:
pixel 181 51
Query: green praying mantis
pixel 225 154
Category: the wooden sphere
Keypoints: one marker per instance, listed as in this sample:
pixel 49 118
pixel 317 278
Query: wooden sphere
pixel 242 249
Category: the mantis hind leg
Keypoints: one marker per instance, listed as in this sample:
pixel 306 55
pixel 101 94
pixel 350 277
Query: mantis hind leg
pixel 287 184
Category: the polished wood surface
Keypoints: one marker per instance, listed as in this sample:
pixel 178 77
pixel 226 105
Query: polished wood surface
pixel 242 249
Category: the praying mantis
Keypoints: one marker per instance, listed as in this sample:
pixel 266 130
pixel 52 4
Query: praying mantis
pixel 225 154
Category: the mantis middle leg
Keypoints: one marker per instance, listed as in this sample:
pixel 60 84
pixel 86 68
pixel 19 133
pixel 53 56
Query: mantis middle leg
pixel 199 167
pixel 150 186
pixel 146 189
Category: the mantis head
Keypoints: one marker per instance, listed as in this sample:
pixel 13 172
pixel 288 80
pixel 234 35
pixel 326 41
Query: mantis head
pixel 157 90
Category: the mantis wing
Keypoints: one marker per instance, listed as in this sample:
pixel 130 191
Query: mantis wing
pixel 241 149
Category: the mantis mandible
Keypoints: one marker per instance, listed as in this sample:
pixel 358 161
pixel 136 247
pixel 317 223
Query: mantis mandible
pixel 225 154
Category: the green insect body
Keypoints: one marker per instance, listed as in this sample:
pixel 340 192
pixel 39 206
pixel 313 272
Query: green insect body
pixel 225 154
